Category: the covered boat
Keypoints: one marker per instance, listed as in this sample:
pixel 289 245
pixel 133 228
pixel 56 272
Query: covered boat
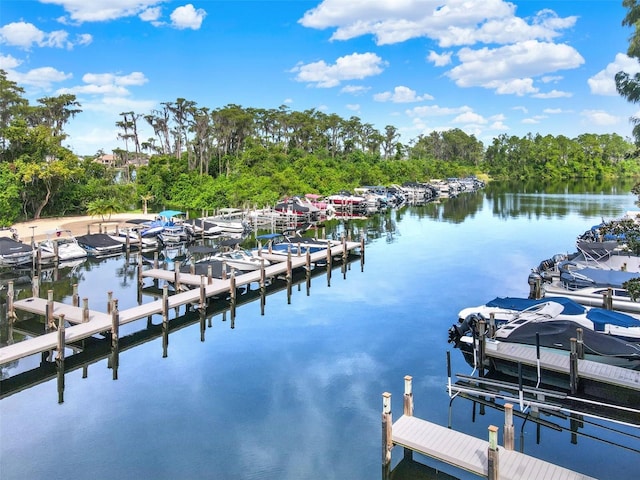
pixel 511 310
pixel 100 244
pixel 13 252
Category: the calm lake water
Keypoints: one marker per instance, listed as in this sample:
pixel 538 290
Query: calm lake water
pixel 296 393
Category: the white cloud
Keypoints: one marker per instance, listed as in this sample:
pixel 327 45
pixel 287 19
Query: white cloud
pixel 102 10
pixel 43 77
pixel 436 110
pixel 26 35
pixel 603 82
pixel 553 94
pixel 151 14
pixel 21 34
pixel 8 62
pixel 552 111
pixel 354 89
pixel 349 67
pixel 508 69
pixel 469 117
pixel 187 17
pixel 107 84
pixel 439 59
pixel 448 22
pixel 355 107
pixel 599 117
pixel 401 94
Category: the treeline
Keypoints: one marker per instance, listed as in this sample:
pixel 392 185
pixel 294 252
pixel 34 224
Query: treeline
pixel 202 159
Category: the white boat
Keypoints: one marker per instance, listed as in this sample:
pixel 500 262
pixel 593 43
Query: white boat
pixel 509 311
pixel 14 253
pixel 242 260
pixel 100 245
pixel 230 220
pixel 60 246
pixel 537 329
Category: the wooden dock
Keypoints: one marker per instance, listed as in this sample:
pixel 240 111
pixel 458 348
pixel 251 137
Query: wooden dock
pixel 86 323
pixel 480 457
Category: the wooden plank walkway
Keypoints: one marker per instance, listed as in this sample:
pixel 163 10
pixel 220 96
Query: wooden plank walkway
pixel 596 371
pixel 470 453
pixel 100 322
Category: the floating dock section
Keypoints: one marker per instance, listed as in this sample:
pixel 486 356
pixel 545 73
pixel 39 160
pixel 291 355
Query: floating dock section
pixel 480 457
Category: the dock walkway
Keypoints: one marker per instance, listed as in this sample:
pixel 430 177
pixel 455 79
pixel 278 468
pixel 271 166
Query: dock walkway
pixel 553 362
pixel 86 323
pixel 480 457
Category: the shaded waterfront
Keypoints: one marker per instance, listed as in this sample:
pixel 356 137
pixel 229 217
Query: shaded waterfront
pixel 296 392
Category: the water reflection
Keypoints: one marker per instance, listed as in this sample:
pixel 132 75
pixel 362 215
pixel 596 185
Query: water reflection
pixel 308 362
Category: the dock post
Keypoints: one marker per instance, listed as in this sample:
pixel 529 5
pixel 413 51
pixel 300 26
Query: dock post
pixel 387 425
pixel 308 272
pixel 492 456
pixel 156 260
pixel 139 270
pixel 508 427
pixel 482 327
pixel 362 253
pixel 115 332
pixel 109 301
pixel 232 293
pixel 492 325
pixel 573 367
pixel 608 299
pixel 60 358
pixel 408 408
pixel 344 249
pixel 127 242
pixel 263 288
pixel 50 321
pixel 176 272
pixel 580 343
pixel 165 320
pixel 289 276
pixel 35 286
pixel 203 295
pixel 85 309
pixel 10 298
pixel 328 263
pixel 75 297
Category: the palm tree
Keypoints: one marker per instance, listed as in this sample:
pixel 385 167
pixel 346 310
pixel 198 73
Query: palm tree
pixel 145 199
pixel 104 206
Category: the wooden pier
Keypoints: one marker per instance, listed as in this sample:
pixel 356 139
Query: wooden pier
pixel 86 323
pixel 480 457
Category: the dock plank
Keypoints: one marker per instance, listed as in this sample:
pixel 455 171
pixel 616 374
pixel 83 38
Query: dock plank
pixel 471 454
pixel 559 362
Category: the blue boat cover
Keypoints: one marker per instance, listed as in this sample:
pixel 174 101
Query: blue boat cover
pixel 603 278
pixel 601 317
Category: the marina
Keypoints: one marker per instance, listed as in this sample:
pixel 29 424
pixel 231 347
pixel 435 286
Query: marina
pixel 247 370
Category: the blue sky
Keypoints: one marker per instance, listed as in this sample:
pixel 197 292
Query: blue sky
pixel 488 67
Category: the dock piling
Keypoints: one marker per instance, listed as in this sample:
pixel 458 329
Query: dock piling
pixel 573 366
pixel 508 427
pixel 115 332
pixel 387 425
pixel 493 469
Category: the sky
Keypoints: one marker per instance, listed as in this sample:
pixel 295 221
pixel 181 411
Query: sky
pixel 487 67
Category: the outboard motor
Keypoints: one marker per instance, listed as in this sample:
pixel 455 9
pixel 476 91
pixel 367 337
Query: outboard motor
pixel 456 332
pixel 535 283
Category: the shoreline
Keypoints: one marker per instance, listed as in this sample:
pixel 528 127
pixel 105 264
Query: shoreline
pixel 77 225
